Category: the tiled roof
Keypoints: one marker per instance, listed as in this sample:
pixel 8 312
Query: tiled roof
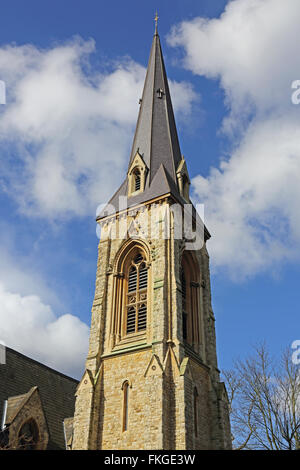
pixel 20 374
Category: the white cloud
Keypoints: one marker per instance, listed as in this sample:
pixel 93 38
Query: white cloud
pixel 68 126
pixel 65 136
pixel 30 326
pixel 251 199
pixel 19 270
pixel 29 321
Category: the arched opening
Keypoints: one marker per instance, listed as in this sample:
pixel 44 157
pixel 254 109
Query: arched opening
pixel 28 436
pixel 131 294
pixel 137 180
pixel 136 296
pixel 189 277
pixel 125 389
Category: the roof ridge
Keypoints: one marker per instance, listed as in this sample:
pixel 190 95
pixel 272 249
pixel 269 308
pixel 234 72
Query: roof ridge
pixel 164 173
pixel 167 114
pixel 41 364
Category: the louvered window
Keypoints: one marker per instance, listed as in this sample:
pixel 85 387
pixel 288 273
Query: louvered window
pixel 137 181
pixel 131 320
pixel 143 276
pixel 142 317
pixel 132 280
pixel 136 306
pixel 138 258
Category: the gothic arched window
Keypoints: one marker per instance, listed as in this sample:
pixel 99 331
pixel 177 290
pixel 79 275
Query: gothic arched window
pixel 125 389
pixel 28 435
pixel 130 307
pixel 136 175
pixel 189 277
pixel 137 180
pixel 136 297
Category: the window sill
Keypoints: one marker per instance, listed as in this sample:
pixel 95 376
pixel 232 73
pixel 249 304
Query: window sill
pixel 126 348
pixel 135 193
pixel 131 338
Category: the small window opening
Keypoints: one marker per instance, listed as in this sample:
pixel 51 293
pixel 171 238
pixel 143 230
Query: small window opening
pixel 137 181
pixel 125 405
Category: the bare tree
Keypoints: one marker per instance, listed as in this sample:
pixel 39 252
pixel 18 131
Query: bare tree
pixel 264 400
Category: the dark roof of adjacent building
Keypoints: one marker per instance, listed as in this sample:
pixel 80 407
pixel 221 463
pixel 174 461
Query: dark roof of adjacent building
pixel 57 391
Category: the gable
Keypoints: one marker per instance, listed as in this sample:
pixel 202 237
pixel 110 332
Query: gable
pixel 20 374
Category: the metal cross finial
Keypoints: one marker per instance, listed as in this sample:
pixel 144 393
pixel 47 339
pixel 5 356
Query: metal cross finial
pixel 156 20
pixel 160 93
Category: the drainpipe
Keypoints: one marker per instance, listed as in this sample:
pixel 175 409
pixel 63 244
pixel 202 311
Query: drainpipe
pixel 4 416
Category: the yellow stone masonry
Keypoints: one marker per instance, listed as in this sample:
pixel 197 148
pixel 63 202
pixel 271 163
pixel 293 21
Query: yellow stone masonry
pixel 161 368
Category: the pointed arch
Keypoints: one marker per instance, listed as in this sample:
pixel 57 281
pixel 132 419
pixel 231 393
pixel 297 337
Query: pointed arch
pixel 136 180
pixel 136 175
pixel 28 436
pixel 125 410
pixel 189 278
pixel 131 292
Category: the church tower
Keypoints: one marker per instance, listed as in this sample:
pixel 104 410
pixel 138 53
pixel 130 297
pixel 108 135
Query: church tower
pixel 151 378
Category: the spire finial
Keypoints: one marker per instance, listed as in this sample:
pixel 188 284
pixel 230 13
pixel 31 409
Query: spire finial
pixel 156 20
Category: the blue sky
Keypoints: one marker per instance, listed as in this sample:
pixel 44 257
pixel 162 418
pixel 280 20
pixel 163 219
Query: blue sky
pixel 74 71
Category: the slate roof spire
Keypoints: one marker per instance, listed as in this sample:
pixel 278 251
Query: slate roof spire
pixel 156 136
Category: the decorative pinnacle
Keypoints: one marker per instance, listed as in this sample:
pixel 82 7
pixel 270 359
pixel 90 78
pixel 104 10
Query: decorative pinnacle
pixel 156 20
